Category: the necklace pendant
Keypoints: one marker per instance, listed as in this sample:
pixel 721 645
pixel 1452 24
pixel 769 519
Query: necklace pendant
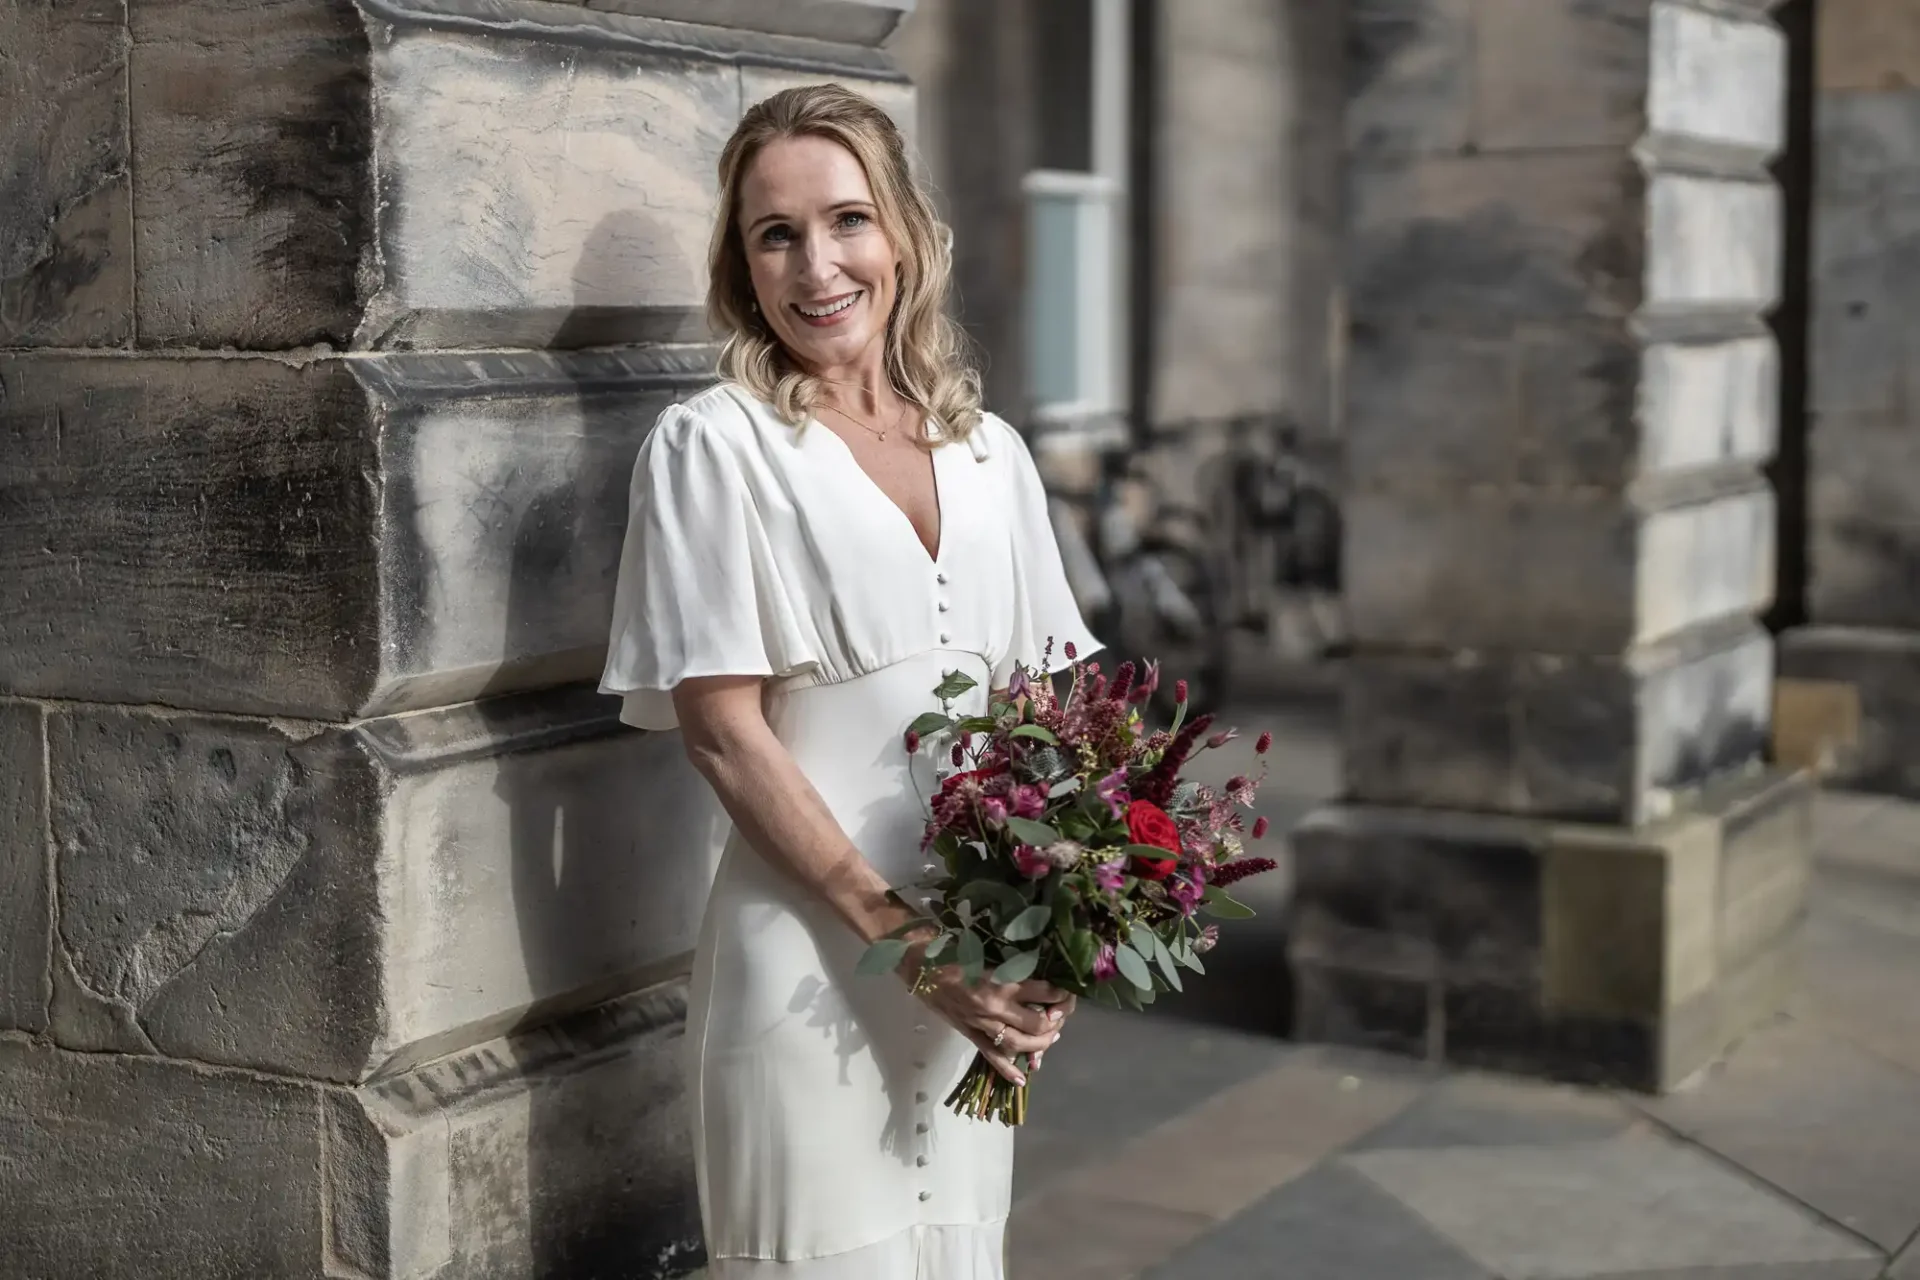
pixel 883 437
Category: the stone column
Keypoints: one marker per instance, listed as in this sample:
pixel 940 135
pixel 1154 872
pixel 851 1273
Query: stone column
pixel 1558 850
pixel 341 925
pixel 1850 696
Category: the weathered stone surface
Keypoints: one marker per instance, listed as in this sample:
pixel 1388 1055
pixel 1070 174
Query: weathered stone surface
pixel 1882 669
pixel 345 536
pixel 137 1169
pixel 185 531
pixel 1496 241
pixel 1706 403
pixel 66 240
pixel 253 137
pixel 1593 739
pixel 26 980
pixel 339 902
pixel 1561 75
pixel 1863 519
pixel 1591 952
pixel 1864 45
pixel 1409 76
pixel 1716 77
pixel 1555 571
pixel 542 193
pixel 1712 243
pixel 866 22
pixel 564 1151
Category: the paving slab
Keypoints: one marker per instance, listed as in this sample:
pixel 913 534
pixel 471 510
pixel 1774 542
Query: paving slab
pixel 1639 1202
pixel 1857 1270
pixel 1494 1111
pixel 1828 1124
pixel 1328 1225
pixel 1094 1238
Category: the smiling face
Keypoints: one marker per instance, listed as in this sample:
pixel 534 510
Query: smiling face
pixel 823 271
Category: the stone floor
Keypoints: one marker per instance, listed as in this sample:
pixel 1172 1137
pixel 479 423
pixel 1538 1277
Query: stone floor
pixel 1192 1144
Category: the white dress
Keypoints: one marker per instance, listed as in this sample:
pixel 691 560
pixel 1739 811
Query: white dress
pixel 822 1148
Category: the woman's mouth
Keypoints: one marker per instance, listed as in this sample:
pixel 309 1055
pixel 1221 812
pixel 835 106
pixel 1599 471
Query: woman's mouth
pixel 828 312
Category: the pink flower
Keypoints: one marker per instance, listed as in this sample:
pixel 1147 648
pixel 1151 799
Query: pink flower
pixel 1179 690
pixel 1240 790
pixel 1070 651
pixel 1263 743
pixel 994 810
pixel 1104 965
pixel 1018 685
pixel 1209 939
pixel 1111 876
pixel 1147 684
pixel 1029 800
pixel 1032 863
pixel 1259 828
pixel 1221 739
pixel 913 742
pixel 1187 891
pixel 1113 789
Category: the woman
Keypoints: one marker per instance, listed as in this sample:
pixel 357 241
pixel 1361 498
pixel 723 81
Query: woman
pixel 812 546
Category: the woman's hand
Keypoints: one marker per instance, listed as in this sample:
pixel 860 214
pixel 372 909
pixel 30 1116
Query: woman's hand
pixel 999 1017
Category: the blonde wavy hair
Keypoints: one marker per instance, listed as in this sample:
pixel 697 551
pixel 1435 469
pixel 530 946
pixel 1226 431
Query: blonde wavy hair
pixel 926 352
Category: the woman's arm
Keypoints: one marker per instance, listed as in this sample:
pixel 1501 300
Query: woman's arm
pixel 781 815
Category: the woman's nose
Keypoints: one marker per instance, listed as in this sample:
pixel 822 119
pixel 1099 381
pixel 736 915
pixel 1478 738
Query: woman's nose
pixel 818 263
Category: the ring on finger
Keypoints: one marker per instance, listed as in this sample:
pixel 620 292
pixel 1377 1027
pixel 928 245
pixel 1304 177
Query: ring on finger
pixel 1001 1036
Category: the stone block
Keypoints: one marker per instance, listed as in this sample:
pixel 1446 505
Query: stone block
pixel 66 231
pixel 1707 403
pixel 1622 955
pixel 1557 571
pixel 25 920
pixel 543 193
pixel 861 22
pixel 1864 45
pixel 564 1151
pixel 1716 77
pixel 1409 76
pixel 1490 242
pixel 186 531
pixel 1879 672
pixel 253 137
pixel 1561 75
pixel 558 1151
pixel 119 1168
pixel 1863 522
pixel 319 540
pixel 1866 142
pixel 1585 739
pixel 339 902
pixel 1712 242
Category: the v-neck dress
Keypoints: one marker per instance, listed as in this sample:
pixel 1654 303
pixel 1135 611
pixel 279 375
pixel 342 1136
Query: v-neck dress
pixel 821 1147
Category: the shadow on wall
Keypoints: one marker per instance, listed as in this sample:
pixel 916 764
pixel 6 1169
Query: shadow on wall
pixel 609 1192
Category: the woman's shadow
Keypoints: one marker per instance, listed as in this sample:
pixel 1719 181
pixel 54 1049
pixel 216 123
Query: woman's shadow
pixel 609 829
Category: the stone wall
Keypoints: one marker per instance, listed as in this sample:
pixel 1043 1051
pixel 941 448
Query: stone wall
pixel 1851 698
pixel 340 921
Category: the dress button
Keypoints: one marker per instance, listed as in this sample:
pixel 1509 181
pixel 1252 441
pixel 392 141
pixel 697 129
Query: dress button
pixel 921 1066
pixel 920 1096
pixel 920 1128
pixel 944 637
pixel 944 606
pixel 926 1195
pixel 920 1161
pixel 920 1028
pixel 940 578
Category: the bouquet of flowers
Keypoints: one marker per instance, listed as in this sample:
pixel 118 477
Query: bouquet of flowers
pixel 1070 849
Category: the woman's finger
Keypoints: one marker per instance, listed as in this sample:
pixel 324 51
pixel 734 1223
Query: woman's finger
pixel 1011 1039
pixel 1032 1021
pixel 997 1060
pixel 1034 991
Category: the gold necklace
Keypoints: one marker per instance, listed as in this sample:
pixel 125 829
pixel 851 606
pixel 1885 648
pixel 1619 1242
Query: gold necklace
pixel 880 435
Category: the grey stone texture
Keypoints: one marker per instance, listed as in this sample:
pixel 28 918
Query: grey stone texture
pixel 1623 955
pixel 340 903
pixel 26 918
pixel 1863 530
pixel 1563 240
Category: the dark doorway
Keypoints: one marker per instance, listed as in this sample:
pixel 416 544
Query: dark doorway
pixel 1792 320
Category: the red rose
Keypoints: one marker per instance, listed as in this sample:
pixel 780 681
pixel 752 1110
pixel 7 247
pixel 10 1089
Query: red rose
pixel 954 780
pixel 1149 824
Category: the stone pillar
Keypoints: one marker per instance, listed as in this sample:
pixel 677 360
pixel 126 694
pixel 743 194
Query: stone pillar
pixel 1558 851
pixel 341 925
pixel 1850 693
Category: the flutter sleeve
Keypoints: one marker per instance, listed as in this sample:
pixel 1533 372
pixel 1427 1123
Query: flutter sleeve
pixel 1043 605
pixel 699 591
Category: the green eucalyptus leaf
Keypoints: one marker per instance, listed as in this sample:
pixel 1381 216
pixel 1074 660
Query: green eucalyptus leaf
pixel 1018 967
pixel 1082 950
pixel 929 724
pixel 1036 731
pixel 1027 831
pixel 1106 994
pixel 1168 964
pixel 1064 787
pixel 938 947
pixel 1128 993
pixel 1223 907
pixel 1029 924
pixel 1132 967
pixel 954 685
pixel 883 956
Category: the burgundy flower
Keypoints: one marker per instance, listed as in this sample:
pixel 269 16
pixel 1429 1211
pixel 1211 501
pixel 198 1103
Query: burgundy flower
pixel 1032 863
pixel 1029 800
pixel 1148 824
pixel 994 810
pixel 1263 743
pixel 1259 828
pixel 1221 739
pixel 1240 868
pixel 1070 651
pixel 1104 965
pixel 913 742
pixel 1148 683
pixel 1240 789
pixel 1179 690
pixel 1187 891
pixel 1122 682
pixel 959 755
pixel 1018 685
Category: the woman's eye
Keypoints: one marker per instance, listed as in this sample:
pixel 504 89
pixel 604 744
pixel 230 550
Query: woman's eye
pixel 851 220
pixel 776 235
